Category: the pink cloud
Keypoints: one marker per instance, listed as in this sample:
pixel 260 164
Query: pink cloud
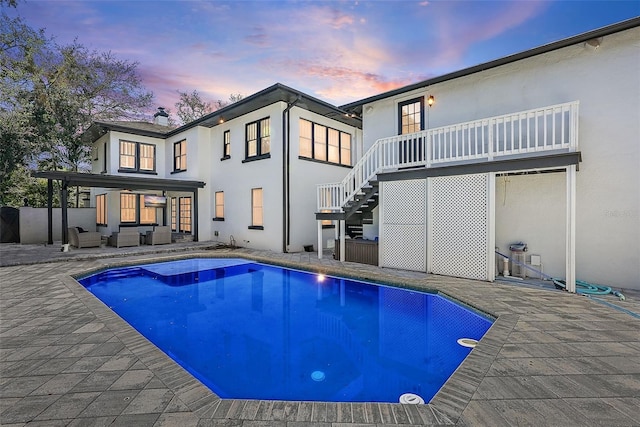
pixel 259 37
pixel 340 19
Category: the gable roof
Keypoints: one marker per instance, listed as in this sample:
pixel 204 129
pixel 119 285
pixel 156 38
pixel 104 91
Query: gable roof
pixel 276 93
pixel 356 107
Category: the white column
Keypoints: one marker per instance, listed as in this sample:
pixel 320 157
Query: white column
pixel 319 239
pixel 342 233
pixel 570 274
pixel 491 226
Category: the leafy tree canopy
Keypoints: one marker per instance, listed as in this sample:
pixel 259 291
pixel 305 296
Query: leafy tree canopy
pixel 50 95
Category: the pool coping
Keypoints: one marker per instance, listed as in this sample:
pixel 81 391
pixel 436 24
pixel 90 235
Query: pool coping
pixel 445 408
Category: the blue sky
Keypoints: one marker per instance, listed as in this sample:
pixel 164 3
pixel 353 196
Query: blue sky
pixel 339 51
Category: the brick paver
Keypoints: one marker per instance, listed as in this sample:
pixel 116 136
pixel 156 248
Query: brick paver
pixel 551 358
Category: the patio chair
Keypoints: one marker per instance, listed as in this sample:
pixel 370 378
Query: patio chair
pixel 125 237
pixel 83 239
pixel 159 236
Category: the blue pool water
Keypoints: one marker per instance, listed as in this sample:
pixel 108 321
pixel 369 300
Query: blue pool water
pixel 254 331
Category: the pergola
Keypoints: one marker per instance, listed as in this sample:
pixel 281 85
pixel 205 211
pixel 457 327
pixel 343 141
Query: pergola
pixel 111 181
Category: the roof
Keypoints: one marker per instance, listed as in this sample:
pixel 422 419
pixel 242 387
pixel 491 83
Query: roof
pixel 119 181
pixel 100 127
pixel 276 93
pixel 356 107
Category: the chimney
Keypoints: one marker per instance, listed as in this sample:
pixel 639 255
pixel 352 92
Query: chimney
pixel 161 117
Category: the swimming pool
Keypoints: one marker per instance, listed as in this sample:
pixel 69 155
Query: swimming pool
pixel 255 331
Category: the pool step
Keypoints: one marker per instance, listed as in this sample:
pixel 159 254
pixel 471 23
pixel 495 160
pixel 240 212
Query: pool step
pixel 122 273
pixel 189 278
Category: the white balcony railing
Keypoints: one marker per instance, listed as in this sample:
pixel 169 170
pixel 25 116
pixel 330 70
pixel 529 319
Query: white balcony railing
pixel 543 129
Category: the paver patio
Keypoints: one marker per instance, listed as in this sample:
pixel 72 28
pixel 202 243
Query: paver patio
pixel 551 358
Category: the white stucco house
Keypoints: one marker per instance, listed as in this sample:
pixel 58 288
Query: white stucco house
pixel 249 170
pixel 541 147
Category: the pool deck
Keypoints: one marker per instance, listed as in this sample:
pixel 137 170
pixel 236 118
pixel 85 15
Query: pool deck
pixel 551 358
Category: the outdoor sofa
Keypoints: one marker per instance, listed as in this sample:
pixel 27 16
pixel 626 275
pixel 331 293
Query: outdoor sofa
pixel 159 236
pixel 83 239
pixel 125 237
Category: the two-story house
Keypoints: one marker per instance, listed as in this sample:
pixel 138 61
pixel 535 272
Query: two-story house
pixel 541 147
pixel 245 173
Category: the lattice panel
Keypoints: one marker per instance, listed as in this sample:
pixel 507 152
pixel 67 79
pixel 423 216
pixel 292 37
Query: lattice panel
pixel 404 246
pixel 405 201
pixel 460 226
pixel 403 229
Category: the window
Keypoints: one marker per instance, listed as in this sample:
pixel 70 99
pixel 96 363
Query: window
pixel 319 142
pixel 411 116
pixel 306 135
pixel 258 139
pixel 333 149
pixel 256 209
pixel 147 157
pixel 101 209
pixel 147 215
pixel 127 155
pixel 226 145
pixel 180 156
pixel 133 210
pixel 137 157
pixel 128 207
pixel 325 144
pixel 345 149
pixel 174 214
pixel 219 208
pixel 184 215
pixel 327 223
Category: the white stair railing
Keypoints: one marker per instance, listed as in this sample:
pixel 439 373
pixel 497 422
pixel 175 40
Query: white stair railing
pixel 543 129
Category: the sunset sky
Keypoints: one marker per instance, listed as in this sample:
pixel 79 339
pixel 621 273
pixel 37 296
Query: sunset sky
pixel 338 51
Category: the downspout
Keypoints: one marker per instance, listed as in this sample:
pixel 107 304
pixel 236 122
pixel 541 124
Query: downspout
pixel 286 205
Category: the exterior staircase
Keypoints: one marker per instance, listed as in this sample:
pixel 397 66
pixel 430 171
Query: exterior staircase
pixel 520 134
pixel 359 210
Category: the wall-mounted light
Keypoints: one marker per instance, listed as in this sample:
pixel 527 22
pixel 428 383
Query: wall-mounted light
pixel 431 100
pixel 221 121
pixel 368 109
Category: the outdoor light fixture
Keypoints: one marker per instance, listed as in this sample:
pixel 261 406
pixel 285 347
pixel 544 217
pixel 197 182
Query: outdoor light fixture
pixel 221 121
pixel 431 100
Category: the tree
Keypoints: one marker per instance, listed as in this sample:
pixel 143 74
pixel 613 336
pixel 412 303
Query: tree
pixel 233 98
pixel 11 3
pixel 191 106
pixel 19 47
pixel 51 94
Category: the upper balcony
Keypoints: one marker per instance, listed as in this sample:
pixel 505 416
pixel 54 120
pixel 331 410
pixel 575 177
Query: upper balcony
pixel 518 135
